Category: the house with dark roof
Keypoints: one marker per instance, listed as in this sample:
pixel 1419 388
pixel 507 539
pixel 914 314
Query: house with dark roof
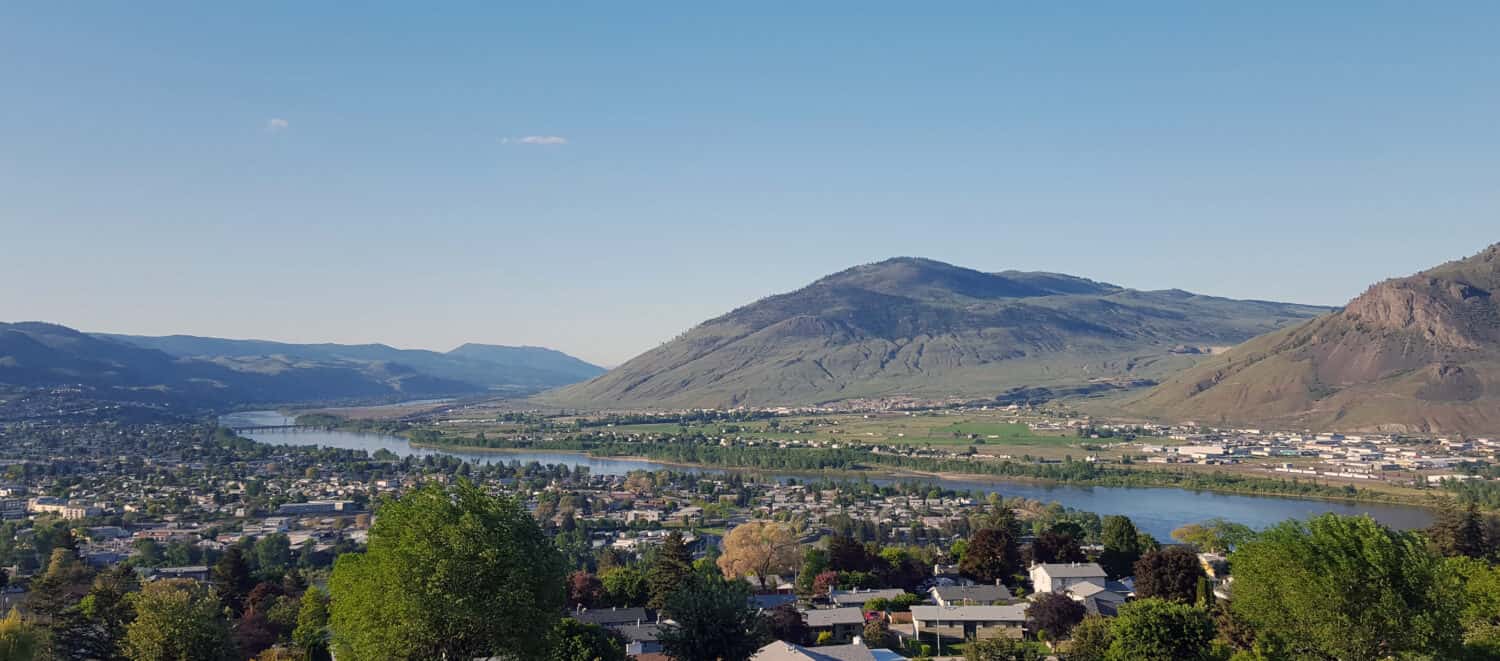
pixel 969 622
pixel 970 595
pixel 843 624
pixel 609 617
pixel 858 597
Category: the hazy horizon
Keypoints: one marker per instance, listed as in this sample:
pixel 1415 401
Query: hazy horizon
pixel 598 179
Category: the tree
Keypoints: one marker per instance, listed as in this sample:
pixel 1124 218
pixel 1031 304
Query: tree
pixel 1053 546
pixel 846 554
pixel 1122 546
pixel 1459 532
pixel 1055 614
pixel 232 577
pixel 1347 588
pixel 761 548
pixel 1481 613
pixel 177 620
pixel 1091 639
pixel 311 634
pixel 1171 573
pixel 1001 648
pixel 273 554
pixel 95 628
pixel 1155 629
pixel 814 562
pixel 712 620
pixel 440 565
pixel 1214 535
pixel 786 623
pixel 625 586
pixel 585 589
pixel 671 566
pixel 991 556
pixel 575 641
pixel 66 580
pixel 824 583
pixel 19 640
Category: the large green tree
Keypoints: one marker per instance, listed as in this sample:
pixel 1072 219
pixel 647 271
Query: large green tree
pixel 1347 588
pixel 177 620
pixel 449 573
pixel 991 555
pixel 712 621
pixel 671 565
pixel 1159 630
pixel 575 641
pixel 1171 573
pixel 1459 532
pixel 1122 546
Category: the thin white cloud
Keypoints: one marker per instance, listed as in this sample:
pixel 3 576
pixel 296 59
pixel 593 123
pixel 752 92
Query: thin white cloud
pixel 536 140
pixel 275 124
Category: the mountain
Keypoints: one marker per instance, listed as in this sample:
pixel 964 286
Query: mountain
pixel 484 365
pixel 1420 353
pixel 209 372
pixel 918 327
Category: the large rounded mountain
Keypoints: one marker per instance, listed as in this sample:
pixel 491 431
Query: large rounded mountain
pixel 922 328
pixel 1418 354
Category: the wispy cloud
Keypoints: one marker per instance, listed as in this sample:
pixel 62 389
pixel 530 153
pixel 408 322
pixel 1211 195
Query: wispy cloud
pixel 536 140
pixel 276 124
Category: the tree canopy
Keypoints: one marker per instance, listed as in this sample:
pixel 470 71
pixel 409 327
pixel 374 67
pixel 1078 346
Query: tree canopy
pixel 1347 588
pixel 449 573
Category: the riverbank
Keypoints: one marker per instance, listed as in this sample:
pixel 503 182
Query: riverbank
pixel 1192 481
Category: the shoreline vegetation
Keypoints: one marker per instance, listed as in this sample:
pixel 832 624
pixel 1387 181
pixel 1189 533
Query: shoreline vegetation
pixel 849 462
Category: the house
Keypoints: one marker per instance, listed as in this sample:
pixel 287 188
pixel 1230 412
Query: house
pixel 841 623
pixel 1097 600
pixel 196 572
pixel 970 622
pixel 639 638
pixel 1059 577
pixel 970 595
pixel 858 597
pixel 769 601
pixel 611 617
pixel 855 651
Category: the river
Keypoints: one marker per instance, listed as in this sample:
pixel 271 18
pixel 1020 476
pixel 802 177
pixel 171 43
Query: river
pixel 1154 510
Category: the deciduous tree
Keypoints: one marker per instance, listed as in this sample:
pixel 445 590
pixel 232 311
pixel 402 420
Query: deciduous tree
pixel 1155 629
pixel 1122 546
pixel 1055 614
pixel 991 556
pixel 712 620
pixel 448 574
pixel 177 620
pixel 1171 573
pixel 760 548
pixel 1348 588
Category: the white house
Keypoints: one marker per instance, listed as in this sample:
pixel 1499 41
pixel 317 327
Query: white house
pixel 1062 577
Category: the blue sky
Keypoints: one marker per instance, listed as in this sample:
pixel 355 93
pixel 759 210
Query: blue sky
pixel 281 171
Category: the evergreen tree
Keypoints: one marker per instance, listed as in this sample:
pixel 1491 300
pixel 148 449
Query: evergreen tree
pixel 672 564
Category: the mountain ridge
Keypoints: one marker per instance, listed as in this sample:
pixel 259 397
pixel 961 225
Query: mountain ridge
pixel 1419 353
pixel 920 327
pixel 210 372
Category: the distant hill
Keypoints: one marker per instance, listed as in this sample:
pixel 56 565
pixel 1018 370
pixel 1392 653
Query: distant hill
pixel 207 372
pixel 483 365
pixel 918 327
pixel 1420 353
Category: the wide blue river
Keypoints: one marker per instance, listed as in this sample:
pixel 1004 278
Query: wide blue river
pixel 1154 510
